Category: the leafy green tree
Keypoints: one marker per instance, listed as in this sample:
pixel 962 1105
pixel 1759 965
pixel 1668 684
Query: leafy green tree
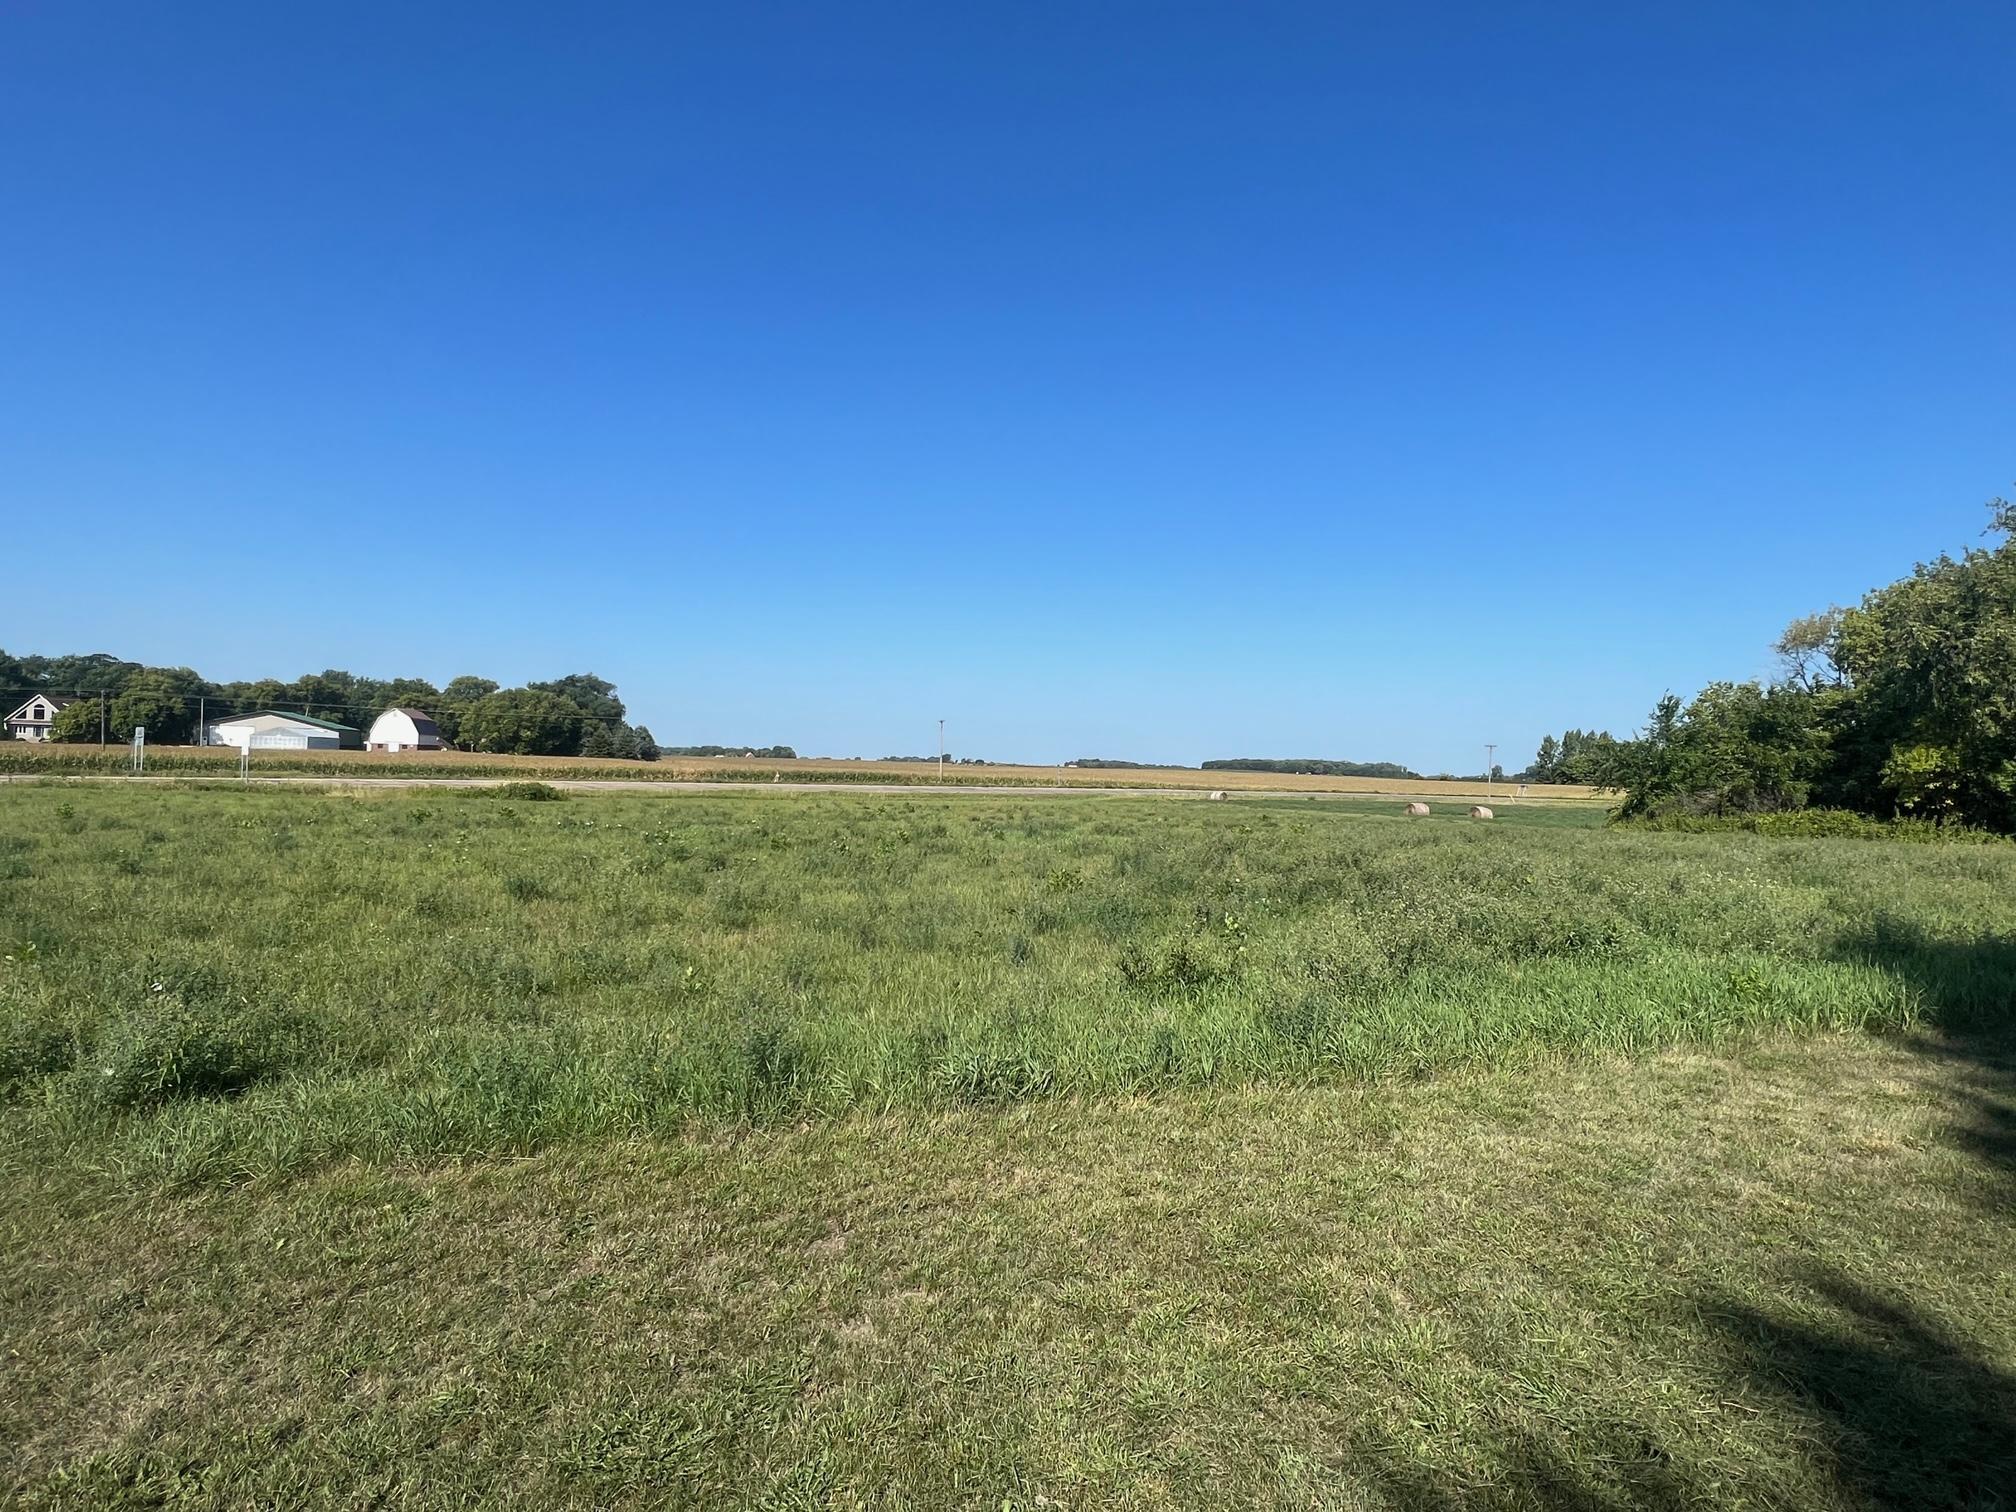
pixel 1738 748
pixel 245 697
pixel 454 702
pixel 1928 781
pixel 1927 663
pixel 95 672
pixel 596 741
pixel 1805 650
pixel 647 748
pixel 1586 758
pixel 466 690
pixel 524 722
pixel 1546 761
pixel 594 696
pixel 159 702
pixel 78 723
pixel 327 695
pixel 409 693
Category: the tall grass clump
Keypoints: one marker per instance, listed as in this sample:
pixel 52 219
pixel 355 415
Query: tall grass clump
pixel 525 792
pixel 169 1049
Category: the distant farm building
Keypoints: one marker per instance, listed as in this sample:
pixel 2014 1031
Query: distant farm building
pixel 403 730
pixel 32 720
pixel 271 730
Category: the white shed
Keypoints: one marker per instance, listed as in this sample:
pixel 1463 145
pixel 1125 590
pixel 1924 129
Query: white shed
pixel 270 730
pixel 403 730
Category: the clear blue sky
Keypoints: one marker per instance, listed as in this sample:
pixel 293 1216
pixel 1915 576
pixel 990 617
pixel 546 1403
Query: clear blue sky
pixel 1161 381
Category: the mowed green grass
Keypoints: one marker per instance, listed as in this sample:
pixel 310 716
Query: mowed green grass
pixel 422 1149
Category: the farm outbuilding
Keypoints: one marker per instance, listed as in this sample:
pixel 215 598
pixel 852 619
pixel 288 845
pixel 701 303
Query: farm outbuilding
pixel 403 730
pixel 270 730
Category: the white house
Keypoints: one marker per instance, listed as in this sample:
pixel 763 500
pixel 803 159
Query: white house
pixel 32 720
pixel 270 730
pixel 403 730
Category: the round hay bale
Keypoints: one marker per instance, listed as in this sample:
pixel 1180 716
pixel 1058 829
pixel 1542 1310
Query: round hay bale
pixel 1481 812
pixel 1417 811
pixel 1217 795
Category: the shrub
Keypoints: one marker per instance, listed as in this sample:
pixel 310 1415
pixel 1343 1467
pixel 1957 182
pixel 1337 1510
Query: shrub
pixel 1180 964
pixel 529 792
pixel 170 1049
pixel 1814 824
pixel 30 1048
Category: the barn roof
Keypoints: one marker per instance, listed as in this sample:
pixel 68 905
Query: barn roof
pixel 423 724
pixel 307 719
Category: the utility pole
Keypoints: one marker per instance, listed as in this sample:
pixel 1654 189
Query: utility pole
pixel 102 696
pixel 941 750
pixel 200 706
pixel 1490 766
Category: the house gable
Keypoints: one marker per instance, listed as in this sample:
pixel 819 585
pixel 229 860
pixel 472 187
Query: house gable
pixel 40 709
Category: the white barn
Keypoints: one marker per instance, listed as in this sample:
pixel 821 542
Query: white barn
pixel 403 730
pixel 270 730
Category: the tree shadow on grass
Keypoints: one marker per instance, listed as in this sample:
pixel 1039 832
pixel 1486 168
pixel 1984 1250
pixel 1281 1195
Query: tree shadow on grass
pixel 1913 1416
pixel 1967 991
pixel 1968 987
pixel 1904 1414
pixel 1627 1475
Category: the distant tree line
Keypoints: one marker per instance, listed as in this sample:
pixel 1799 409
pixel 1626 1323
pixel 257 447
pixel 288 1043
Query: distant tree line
pixel 579 714
pixel 1105 763
pixel 1310 767
pixel 768 753
pixel 1904 704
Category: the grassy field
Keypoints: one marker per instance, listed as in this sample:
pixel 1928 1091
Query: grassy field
pixel 29 758
pixel 421 1148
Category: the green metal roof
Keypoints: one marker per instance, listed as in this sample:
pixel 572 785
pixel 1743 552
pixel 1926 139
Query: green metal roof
pixel 326 724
